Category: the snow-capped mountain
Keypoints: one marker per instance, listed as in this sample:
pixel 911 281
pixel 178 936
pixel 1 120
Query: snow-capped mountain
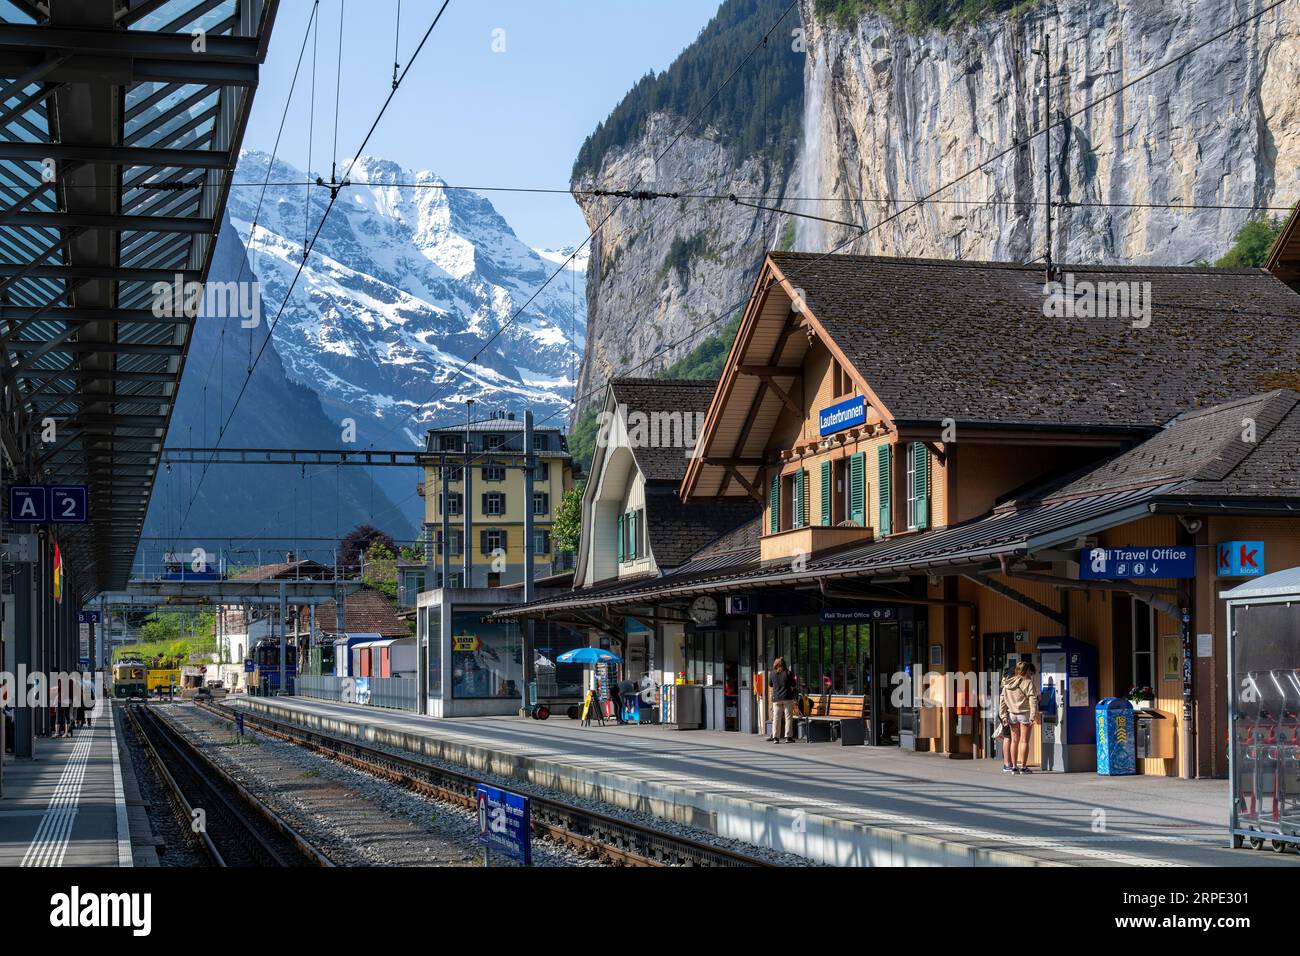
pixel 407 283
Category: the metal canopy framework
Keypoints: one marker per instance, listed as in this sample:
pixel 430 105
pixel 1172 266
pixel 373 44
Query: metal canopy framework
pixel 120 124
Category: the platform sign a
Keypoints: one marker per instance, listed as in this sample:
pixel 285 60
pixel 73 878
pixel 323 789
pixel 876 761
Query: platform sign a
pixel 505 823
pixel 28 504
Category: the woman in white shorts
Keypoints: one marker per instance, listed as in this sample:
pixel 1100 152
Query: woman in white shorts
pixel 1018 709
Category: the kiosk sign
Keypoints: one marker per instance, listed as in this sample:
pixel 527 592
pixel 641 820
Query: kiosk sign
pixel 505 823
pixel 1136 563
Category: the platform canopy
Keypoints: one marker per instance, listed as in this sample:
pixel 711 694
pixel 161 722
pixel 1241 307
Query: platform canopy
pixel 122 121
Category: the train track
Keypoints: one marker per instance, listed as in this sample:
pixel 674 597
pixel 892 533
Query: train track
pixel 238 829
pixel 617 840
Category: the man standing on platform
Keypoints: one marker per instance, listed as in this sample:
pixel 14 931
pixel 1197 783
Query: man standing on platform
pixel 784 693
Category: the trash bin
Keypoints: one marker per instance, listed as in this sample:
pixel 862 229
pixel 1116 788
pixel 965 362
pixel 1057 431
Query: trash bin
pixel 1116 738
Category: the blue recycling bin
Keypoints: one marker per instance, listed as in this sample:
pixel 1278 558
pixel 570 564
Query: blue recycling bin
pixel 1116 738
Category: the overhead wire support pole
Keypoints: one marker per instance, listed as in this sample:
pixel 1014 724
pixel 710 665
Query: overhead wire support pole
pixel 1046 54
pixel 467 505
pixel 526 654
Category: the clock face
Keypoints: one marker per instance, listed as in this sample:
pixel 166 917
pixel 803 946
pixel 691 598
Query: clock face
pixel 704 609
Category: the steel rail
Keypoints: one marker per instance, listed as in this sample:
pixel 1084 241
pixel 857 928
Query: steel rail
pixel 250 832
pixel 589 831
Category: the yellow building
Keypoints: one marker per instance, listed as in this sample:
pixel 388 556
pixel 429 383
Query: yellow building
pixel 496 499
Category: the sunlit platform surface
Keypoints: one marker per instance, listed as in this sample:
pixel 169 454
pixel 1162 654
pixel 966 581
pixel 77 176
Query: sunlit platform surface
pixel 66 807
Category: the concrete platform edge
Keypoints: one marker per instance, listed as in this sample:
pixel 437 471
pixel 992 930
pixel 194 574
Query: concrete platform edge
pixel 818 837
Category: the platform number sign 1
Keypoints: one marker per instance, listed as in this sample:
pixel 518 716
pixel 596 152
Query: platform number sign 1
pixel 505 823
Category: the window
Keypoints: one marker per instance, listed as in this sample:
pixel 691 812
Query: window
pixel 1144 656
pixel 918 486
pixel 433 643
pixel 541 503
pixel 543 471
pixel 631 535
pixel 541 441
pixel 491 441
pixel 455 542
pixel 487 662
pixel 492 540
pixel 448 442
pixel 494 503
pixel 541 542
pixel 456 474
pixel 455 503
pixel 494 472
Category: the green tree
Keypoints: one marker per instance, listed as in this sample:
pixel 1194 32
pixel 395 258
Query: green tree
pixel 567 530
pixel 582 437
pixel 1251 244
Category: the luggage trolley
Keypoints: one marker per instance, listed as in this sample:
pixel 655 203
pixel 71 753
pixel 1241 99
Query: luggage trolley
pixel 1263 629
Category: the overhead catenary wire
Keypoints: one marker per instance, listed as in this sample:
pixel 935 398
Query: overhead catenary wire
pixel 910 205
pixel 320 225
pixel 609 214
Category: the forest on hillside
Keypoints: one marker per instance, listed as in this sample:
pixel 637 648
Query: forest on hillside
pixel 759 110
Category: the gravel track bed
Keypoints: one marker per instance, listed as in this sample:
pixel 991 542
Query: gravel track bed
pixel 774 857
pixel 180 846
pixel 354 818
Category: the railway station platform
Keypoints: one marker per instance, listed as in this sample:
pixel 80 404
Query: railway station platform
pixel 853 806
pixel 68 806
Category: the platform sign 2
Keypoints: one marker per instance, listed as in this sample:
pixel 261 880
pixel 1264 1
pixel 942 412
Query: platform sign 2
pixel 68 504
pixel 505 823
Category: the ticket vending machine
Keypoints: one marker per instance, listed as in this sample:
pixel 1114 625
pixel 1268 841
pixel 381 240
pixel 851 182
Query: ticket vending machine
pixel 1067 697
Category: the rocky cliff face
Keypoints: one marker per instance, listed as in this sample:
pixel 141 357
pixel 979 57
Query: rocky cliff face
pixel 891 115
pixel 660 268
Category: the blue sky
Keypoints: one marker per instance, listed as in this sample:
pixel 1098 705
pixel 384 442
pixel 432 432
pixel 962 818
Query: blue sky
pixel 469 114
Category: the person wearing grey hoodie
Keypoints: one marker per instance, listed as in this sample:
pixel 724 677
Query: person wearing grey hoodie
pixel 1018 709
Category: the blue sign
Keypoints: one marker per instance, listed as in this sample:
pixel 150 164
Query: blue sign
pixel 68 504
pixel 842 415
pixel 1239 559
pixel 248 667
pixel 505 823
pixel 1116 738
pixel 87 617
pixel 53 504
pixel 1108 563
pixel 831 615
pixel 28 503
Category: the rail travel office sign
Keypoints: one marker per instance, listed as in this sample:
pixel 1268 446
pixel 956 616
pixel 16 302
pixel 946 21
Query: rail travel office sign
pixel 1104 564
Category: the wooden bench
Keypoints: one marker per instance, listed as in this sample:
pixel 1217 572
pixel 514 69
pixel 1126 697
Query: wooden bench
pixel 844 713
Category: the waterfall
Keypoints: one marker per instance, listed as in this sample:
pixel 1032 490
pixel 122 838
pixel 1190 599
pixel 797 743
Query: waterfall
pixel 810 236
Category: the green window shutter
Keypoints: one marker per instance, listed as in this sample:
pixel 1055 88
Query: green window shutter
pixel 858 489
pixel 620 537
pixel 921 488
pixel 826 494
pixel 633 542
pixel 774 504
pixel 885 525
pixel 796 510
